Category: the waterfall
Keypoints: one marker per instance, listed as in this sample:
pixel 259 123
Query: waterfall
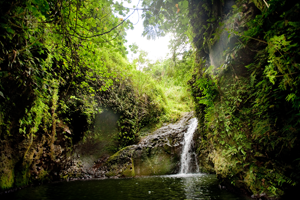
pixel 186 150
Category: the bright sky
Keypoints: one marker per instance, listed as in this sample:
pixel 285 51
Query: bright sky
pixel 156 49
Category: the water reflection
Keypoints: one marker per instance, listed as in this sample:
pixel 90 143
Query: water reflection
pixel 189 187
pixel 203 187
pixel 182 186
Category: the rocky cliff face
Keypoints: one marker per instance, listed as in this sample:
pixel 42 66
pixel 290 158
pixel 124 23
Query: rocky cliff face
pixel 156 154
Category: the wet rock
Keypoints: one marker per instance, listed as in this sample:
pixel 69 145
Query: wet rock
pixel 158 153
pixel 262 194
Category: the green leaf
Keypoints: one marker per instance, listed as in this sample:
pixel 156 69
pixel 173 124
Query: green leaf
pixel 185 4
pixel 243 151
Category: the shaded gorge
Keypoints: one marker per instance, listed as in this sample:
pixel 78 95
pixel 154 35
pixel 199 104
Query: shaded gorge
pixel 184 185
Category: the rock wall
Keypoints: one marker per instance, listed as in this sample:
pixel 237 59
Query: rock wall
pixel 155 154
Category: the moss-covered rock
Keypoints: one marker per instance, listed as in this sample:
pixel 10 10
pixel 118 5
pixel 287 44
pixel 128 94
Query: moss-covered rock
pixel 156 154
pixel 157 164
pixel 6 179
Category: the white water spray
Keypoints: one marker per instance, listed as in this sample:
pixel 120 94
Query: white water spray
pixel 186 154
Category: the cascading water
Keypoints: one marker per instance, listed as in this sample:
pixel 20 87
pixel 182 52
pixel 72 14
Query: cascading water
pixel 186 150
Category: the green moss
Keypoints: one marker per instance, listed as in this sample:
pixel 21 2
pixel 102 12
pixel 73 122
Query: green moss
pixel 6 179
pixel 111 173
pixel 133 171
pixel 167 148
pixel 64 176
pixel 42 174
pixel 116 155
pixel 129 170
pixel 156 165
pixel 22 177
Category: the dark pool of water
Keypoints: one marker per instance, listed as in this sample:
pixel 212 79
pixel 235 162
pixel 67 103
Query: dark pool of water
pixel 196 186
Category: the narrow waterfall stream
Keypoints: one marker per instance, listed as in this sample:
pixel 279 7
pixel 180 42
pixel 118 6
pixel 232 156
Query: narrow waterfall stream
pixel 186 150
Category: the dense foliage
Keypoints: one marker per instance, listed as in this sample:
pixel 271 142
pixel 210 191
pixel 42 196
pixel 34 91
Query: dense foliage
pixel 245 87
pixel 44 50
pixel 62 63
pixel 172 75
pixel 249 108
